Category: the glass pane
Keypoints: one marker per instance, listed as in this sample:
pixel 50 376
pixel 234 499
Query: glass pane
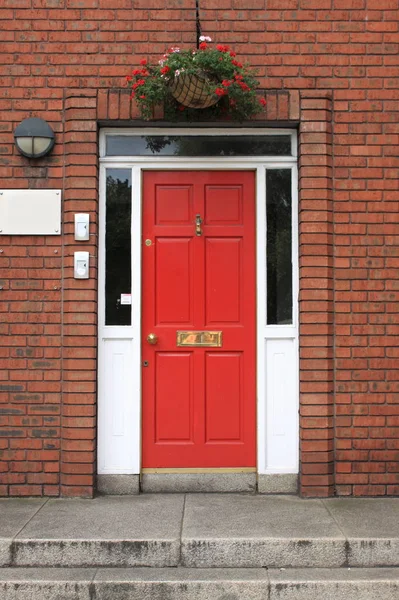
pixel 118 247
pixel 279 247
pixel 198 145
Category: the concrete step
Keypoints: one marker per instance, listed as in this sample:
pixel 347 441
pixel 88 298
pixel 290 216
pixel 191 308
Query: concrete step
pixel 202 553
pixel 199 531
pixel 198 584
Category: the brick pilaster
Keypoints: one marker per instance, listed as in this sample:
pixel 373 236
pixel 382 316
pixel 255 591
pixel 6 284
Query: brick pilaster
pixel 316 295
pixel 79 331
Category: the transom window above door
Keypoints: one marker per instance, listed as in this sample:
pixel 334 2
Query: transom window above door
pixel 199 143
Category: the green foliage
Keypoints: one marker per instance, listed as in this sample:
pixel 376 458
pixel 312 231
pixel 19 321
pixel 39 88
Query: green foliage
pixel 226 78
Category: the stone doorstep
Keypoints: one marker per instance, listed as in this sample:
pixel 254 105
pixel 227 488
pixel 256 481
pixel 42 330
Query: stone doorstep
pixel 202 553
pixel 199 531
pixel 199 584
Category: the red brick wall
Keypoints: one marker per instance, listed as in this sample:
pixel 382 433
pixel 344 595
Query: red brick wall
pixel 340 57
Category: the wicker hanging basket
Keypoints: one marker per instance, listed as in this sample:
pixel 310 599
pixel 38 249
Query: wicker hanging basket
pixel 193 90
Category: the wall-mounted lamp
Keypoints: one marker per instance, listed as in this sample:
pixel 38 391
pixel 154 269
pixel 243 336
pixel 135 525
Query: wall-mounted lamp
pixel 34 138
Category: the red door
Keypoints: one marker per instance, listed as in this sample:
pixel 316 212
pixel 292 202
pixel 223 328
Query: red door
pixel 199 276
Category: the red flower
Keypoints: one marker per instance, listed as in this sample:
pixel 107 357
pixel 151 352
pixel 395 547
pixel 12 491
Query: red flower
pixel 236 64
pixel 143 61
pixel 144 72
pixel 220 92
pixel 226 83
pixel 222 48
pixel 232 54
pixel 132 95
pixel 140 82
pixel 244 86
pixel 136 72
pixel 263 101
pixel 165 70
pixel 128 78
pixel 203 46
pixel 142 97
pixel 238 77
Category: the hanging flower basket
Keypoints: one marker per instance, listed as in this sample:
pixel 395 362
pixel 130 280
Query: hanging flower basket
pixel 203 82
pixel 193 91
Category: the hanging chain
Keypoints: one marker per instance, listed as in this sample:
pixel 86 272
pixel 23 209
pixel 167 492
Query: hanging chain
pixel 198 22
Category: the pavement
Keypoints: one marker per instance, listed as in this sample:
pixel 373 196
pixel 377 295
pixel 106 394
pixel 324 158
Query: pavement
pixel 226 546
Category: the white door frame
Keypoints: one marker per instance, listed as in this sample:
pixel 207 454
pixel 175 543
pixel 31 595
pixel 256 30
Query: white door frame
pixel 119 347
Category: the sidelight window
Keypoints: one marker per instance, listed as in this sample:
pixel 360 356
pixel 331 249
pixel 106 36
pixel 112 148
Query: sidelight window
pixel 279 246
pixel 118 247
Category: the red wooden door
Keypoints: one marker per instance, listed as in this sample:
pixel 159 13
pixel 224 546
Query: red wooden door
pixel 199 407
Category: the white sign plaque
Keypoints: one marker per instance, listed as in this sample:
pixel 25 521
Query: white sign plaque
pixel 126 298
pixel 30 212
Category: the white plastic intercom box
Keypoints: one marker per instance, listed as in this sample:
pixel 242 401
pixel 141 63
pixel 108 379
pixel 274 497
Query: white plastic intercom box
pixel 82 227
pixel 81 265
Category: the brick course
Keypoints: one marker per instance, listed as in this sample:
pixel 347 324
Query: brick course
pixel 330 65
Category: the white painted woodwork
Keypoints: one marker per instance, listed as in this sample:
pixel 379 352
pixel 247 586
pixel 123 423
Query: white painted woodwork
pixel 281 451
pixel 277 345
pixel 117 415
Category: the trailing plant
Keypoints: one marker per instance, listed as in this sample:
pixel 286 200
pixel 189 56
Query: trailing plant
pixel 208 78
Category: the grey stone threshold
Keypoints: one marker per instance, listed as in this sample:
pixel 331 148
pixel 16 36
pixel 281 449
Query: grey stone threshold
pixel 181 483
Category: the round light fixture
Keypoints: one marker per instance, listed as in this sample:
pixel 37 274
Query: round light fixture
pixel 34 138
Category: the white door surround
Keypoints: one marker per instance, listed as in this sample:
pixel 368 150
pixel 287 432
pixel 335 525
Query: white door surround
pixel 119 362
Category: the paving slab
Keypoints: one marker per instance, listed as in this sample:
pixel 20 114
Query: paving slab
pixel 259 531
pixel 334 584
pixel 106 531
pixel 46 584
pixel 181 584
pixel 371 527
pixel 14 514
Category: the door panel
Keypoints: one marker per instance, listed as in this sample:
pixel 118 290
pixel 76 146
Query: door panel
pixel 172 367
pixel 223 205
pixel 223 267
pixel 199 402
pixel 174 282
pixel 223 397
pixel 173 204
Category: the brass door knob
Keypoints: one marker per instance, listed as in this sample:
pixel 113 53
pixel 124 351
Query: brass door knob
pixel 152 338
